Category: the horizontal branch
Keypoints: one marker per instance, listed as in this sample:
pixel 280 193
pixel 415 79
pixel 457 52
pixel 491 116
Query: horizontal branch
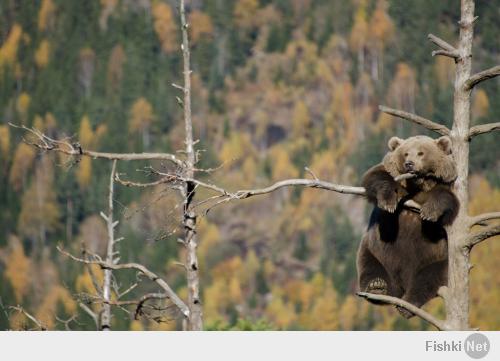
pixel 481 218
pixel 482 235
pixel 426 316
pixel 74 149
pixel 482 76
pixel 442 44
pixel 139 267
pixel 449 54
pixel 483 128
pixel 426 123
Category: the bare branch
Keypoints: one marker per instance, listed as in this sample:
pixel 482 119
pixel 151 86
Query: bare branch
pixel 480 236
pixel 439 324
pixel 483 128
pixel 91 313
pixel 449 54
pixel 139 267
pixel 481 218
pixel 443 44
pixel 482 76
pixel 426 123
pixel 46 143
pixel 37 322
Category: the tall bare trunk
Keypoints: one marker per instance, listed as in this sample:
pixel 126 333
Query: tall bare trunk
pixel 457 300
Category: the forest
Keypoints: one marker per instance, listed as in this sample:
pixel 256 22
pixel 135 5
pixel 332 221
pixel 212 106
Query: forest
pixel 280 89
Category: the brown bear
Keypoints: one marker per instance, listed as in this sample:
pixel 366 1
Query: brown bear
pixel 404 253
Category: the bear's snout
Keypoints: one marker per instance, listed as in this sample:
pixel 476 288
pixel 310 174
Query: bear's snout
pixel 409 166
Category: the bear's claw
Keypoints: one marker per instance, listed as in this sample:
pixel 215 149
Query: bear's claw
pixel 377 286
pixel 404 312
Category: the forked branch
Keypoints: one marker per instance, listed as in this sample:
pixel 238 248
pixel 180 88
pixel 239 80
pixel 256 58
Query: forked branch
pixel 426 316
pixel 426 123
pixel 138 267
pixel 446 49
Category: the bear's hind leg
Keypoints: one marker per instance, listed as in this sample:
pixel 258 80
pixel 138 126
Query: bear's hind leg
pixel 425 285
pixel 373 277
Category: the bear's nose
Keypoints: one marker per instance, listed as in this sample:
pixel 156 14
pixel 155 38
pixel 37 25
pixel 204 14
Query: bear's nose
pixel 409 165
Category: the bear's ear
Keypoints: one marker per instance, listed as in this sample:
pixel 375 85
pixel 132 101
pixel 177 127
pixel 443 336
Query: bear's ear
pixel 394 142
pixel 444 143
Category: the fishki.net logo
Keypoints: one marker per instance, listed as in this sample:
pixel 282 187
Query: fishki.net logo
pixel 475 345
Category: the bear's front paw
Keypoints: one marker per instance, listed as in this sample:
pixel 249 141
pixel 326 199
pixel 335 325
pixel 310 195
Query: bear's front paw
pixel 377 286
pixel 404 312
pixel 431 211
pixel 387 199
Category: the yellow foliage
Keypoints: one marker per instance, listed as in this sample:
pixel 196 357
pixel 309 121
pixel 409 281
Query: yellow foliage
pixel 209 237
pixel 282 314
pixel 235 292
pixel 86 135
pixel 165 26
pixel 141 115
pixel 84 281
pixel 42 54
pixel 84 172
pixel 200 24
pixel 50 121
pixel 23 104
pixel 301 121
pixel 347 314
pixel 115 67
pixel 23 161
pixel 39 207
pixel 46 313
pixel 481 104
pixel 4 140
pixel 136 325
pixel 236 147
pixel 324 314
pixel 245 12
pixel 18 268
pixel 359 32
pixel 281 165
pixel 381 26
pixel 8 50
pixel 46 15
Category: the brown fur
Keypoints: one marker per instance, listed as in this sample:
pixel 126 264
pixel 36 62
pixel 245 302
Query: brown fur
pixel 404 253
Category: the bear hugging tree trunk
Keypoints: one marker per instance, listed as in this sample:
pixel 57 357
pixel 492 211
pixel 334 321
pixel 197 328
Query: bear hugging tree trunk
pixel 405 253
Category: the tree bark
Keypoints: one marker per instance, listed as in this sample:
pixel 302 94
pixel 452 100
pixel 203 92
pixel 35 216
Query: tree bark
pixel 457 294
pixel 195 320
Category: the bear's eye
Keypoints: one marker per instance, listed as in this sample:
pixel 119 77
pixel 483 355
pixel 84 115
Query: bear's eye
pixel 420 154
pixel 406 154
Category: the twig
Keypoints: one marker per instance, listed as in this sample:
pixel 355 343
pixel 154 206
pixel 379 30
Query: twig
pixel 439 324
pixel 63 146
pixel 426 123
pixel 139 267
pixel 37 322
pixel 482 76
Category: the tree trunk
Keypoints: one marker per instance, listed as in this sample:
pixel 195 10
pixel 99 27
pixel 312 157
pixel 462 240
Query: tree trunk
pixel 457 295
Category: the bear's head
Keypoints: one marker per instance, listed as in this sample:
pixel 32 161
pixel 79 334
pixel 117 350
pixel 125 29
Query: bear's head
pixel 421 155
